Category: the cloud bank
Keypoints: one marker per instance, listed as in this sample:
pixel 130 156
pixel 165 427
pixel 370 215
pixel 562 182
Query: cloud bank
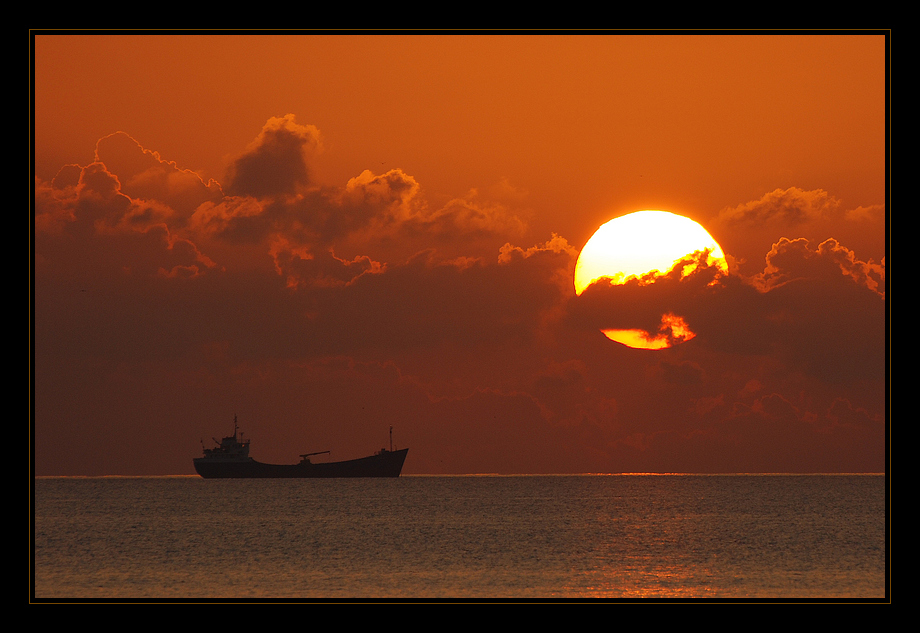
pixel 325 313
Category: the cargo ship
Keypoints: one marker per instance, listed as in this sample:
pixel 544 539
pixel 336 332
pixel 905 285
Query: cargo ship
pixel 230 460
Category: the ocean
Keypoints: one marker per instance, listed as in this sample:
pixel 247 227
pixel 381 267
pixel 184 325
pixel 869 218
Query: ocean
pixel 431 538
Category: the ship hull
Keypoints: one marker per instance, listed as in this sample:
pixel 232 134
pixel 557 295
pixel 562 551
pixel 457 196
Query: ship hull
pixel 385 464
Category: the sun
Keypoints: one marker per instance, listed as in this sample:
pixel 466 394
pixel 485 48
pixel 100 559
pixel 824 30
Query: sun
pixel 640 243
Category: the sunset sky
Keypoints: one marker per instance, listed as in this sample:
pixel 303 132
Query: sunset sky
pixel 327 235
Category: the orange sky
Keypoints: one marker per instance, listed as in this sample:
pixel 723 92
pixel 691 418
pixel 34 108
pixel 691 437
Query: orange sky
pixel 331 234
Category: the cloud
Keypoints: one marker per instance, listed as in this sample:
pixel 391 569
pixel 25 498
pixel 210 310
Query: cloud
pixel 390 194
pixel 90 228
pixel 468 215
pixel 143 174
pixel 641 301
pixel 279 256
pixel 302 268
pixel 428 302
pixel 238 220
pixel 270 202
pixel 830 262
pixel 276 162
pixel 785 207
pixel 821 310
pixel 389 212
pixel 451 321
pixel 749 230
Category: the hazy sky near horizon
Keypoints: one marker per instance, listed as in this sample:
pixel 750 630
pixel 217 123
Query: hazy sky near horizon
pixel 328 235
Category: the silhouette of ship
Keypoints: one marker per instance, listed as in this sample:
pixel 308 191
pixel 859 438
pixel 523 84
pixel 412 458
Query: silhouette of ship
pixel 230 460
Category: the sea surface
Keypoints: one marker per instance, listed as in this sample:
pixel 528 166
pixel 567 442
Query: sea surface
pixel 575 537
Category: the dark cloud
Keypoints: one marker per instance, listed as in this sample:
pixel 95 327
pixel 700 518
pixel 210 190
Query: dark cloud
pixel 750 229
pixel 830 262
pixel 787 208
pixel 425 302
pixel 382 212
pixel 821 310
pixel 92 229
pixel 304 269
pixel 276 162
pixel 640 302
pixel 366 305
pixel 143 175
